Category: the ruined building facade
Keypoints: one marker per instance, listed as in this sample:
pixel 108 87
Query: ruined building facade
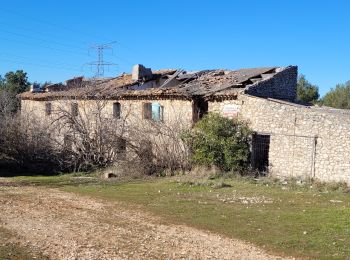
pixel 290 140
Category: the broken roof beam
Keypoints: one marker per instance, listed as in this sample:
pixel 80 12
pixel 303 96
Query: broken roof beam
pixel 267 75
pixel 192 75
pixel 254 80
pixel 171 78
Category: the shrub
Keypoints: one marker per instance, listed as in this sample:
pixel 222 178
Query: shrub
pixel 221 142
pixel 158 146
pixel 26 141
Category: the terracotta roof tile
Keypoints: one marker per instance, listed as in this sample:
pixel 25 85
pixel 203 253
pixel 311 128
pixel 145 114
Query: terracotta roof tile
pixel 203 83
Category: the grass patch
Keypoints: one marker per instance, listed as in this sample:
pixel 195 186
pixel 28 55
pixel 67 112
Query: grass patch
pixel 284 218
pixel 56 181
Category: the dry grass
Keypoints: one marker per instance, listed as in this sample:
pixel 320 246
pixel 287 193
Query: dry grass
pixel 291 218
pixel 10 248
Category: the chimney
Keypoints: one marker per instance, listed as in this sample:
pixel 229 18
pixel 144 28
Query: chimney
pixel 139 72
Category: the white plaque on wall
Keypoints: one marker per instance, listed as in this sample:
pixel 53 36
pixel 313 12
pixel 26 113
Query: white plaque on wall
pixel 230 110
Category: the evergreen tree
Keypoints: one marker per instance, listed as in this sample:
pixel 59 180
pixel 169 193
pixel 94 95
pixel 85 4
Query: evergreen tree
pixel 15 82
pixel 338 97
pixel 12 84
pixel 307 92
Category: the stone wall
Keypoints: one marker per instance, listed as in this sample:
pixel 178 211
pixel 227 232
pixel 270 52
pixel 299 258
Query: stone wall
pixel 306 142
pixel 177 116
pixel 281 86
pixel 30 107
pixel 173 109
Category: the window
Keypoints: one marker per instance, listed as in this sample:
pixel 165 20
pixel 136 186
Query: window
pixel 147 111
pixel 67 142
pixel 116 110
pixel 48 108
pixel 74 109
pixel 145 151
pixel 153 111
pixel 121 148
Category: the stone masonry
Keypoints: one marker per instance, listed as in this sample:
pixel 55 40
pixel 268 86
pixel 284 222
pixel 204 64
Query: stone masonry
pixel 303 142
pixel 280 86
pixel 306 142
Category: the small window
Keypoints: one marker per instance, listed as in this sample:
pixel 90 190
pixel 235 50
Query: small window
pixel 157 112
pixel 74 109
pixel 145 151
pixel 146 156
pixel 121 145
pixel 68 142
pixel 147 111
pixel 116 110
pixel 153 111
pixel 121 148
pixel 48 108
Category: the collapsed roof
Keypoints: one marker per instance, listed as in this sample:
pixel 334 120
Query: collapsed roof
pixel 169 83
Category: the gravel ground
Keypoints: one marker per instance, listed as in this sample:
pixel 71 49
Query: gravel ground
pixel 63 225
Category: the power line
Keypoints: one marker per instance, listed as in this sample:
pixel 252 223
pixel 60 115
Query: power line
pixel 86 35
pixel 43 46
pixel 11 56
pixel 46 22
pixel 39 65
pixel 41 39
pixel 100 63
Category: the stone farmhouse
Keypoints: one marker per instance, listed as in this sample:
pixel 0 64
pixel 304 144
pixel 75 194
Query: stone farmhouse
pixel 290 139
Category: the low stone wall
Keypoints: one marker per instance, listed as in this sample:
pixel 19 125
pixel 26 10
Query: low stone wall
pixel 306 142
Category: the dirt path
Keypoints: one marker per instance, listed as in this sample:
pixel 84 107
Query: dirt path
pixel 67 226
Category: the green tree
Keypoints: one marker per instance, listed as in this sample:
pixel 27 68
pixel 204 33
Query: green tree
pixel 307 92
pixel 2 82
pixel 15 82
pixel 219 141
pixel 338 97
pixel 12 84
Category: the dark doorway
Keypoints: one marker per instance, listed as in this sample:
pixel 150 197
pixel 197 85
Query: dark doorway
pixel 260 152
pixel 200 108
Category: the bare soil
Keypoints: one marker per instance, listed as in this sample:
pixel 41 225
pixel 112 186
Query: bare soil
pixel 61 225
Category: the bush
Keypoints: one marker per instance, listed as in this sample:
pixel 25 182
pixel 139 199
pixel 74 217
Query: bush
pixel 221 142
pixel 157 147
pixel 26 141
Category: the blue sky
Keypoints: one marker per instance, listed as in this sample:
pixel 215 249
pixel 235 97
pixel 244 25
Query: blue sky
pixel 50 39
